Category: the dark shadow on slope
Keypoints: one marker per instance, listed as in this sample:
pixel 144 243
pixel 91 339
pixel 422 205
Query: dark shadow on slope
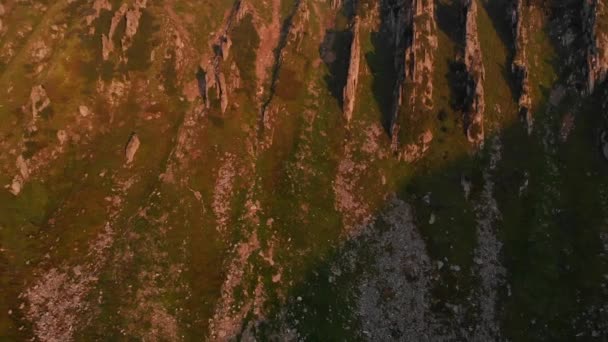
pixel 565 18
pixel 457 78
pixel 335 53
pixel 498 12
pixel 201 80
pixel 551 249
pixel 381 62
pixel 450 22
pixel 448 19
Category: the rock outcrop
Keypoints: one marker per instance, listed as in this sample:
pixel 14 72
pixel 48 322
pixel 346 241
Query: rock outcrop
pixel 473 60
pixel 417 20
pixel 415 151
pixel 212 68
pixel 224 47
pixel 107 43
pixel 519 66
pixel 349 93
pixel 594 13
pixel 98 5
pixel 132 147
pixel 19 179
pixel 131 16
pixel 39 101
pixel 419 54
pixel 223 91
pixel 291 33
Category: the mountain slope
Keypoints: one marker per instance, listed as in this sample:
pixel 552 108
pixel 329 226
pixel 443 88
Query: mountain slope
pixel 303 170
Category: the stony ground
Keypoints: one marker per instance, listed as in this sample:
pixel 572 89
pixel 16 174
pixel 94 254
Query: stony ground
pixel 306 170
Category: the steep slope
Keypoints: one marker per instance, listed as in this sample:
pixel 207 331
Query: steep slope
pixel 303 170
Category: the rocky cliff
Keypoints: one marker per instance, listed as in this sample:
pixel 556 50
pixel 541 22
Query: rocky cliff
pixel 414 88
pixel 595 16
pixel 520 61
pixel 420 53
pixel 350 89
pixel 473 60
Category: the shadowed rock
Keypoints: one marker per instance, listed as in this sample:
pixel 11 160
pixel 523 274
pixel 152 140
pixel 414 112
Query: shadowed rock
pixel 594 12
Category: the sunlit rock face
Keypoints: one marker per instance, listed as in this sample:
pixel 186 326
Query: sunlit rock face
pixel 303 170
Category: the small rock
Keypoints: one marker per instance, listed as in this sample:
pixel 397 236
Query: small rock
pixel 276 278
pixel 16 185
pixel 39 101
pixel 432 219
pixel 132 147
pixel 84 111
pixel 62 136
